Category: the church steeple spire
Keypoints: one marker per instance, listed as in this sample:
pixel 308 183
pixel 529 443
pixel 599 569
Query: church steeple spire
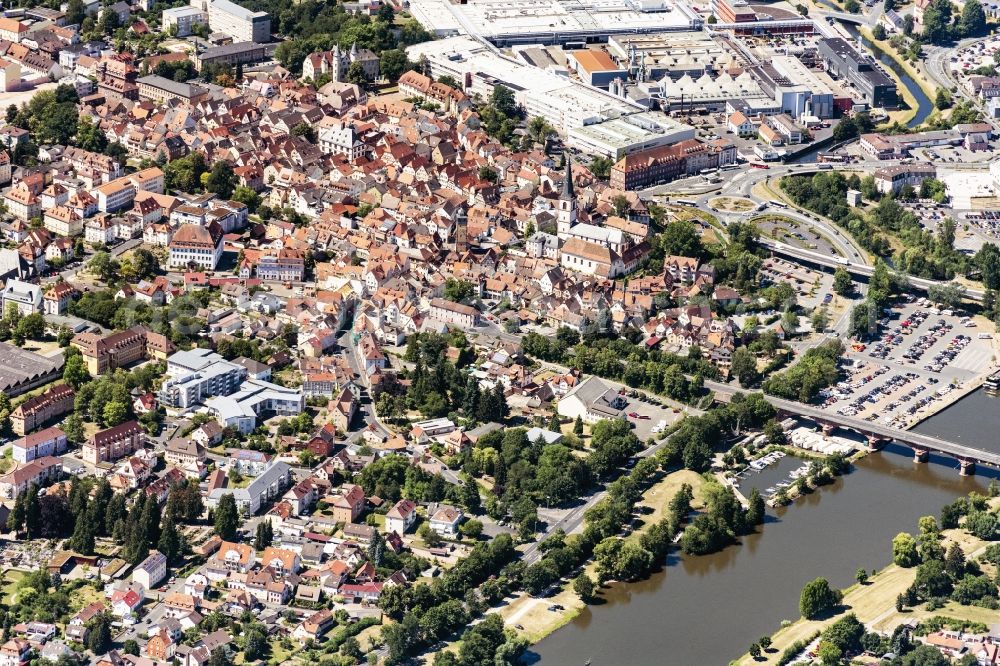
pixel 567 188
pixel 566 215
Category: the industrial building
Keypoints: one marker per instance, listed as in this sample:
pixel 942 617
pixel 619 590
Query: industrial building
pixel 671 54
pixel 22 370
pixel 564 103
pixel 794 89
pixel 844 61
pixel 554 22
pixel 629 134
pixel 595 67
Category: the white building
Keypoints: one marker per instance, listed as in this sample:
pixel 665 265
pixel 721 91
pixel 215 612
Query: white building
pixel 592 400
pixel 151 570
pixel 255 397
pixel 48 442
pixel 265 488
pixel 196 245
pixel 196 375
pixel 401 517
pixel 341 141
pixel 183 19
pixel 25 296
pixel 240 23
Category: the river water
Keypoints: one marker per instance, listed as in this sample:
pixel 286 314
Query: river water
pixel 708 610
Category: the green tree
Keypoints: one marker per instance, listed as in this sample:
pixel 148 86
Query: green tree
pixel 744 367
pixel 226 517
pixel 818 598
pixel 114 413
pixel 247 196
pixel 221 179
pixel 75 370
pixel 904 550
pixel 73 427
pixel 600 166
pixel 861 576
pixel 756 511
pixel 264 536
pixel 99 636
pixel 942 100
pixel 842 283
pixel 171 542
pixel 393 63
pixel 583 586
pixel 356 74
pixel 937 22
pixel 972 22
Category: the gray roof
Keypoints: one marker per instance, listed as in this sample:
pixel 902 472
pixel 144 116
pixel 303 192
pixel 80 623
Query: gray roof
pixel 597 396
pixel 174 87
pixel 257 487
pixel 18 366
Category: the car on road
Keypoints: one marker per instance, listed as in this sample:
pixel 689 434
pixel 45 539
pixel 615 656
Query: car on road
pixel 633 415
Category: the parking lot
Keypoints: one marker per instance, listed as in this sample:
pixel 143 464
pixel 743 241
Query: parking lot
pixel 648 417
pixel 921 354
pixel 812 288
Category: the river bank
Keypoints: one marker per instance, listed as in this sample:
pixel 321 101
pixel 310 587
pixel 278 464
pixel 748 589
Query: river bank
pixel 874 603
pixel 530 616
pixel 691 609
pixel 916 75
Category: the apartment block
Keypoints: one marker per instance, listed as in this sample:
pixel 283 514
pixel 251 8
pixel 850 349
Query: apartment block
pixel 35 411
pixel 114 443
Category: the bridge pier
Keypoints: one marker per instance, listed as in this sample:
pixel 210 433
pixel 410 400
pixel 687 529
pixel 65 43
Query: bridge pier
pixel 919 455
pixel 876 443
pixel 966 467
pixel 828 428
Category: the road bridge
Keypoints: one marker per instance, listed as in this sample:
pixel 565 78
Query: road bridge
pixel 855 269
pixel 877 434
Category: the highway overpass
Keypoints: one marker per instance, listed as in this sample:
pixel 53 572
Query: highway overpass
pixel 855 269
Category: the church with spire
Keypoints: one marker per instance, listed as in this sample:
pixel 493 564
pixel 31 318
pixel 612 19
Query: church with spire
pixel 566 215
pixel 603 251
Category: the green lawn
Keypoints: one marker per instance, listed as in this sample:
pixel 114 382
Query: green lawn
pixel 10 580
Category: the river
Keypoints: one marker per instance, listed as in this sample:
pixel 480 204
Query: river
pixel 708 610
pixel 924 104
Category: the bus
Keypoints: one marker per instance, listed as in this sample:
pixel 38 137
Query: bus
pixel 709 172
pixel 686 202
pixel 759 165
pixel 777 204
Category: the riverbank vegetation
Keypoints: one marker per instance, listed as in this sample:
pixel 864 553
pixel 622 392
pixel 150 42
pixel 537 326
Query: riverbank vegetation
pixel 948 590
pixel 816 370
pixel 882 226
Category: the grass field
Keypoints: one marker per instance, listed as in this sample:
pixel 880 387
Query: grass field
pixel 10 580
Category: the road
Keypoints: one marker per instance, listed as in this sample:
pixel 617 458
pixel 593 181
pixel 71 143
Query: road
pixel 366 408
pixel 937 64
pixel 572 520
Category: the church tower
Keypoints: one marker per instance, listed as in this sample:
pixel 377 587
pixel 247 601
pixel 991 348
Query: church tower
pixel 461 232
pixel 566 216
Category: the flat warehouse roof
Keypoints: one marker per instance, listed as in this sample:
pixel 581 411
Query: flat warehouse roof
pixel 18 366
